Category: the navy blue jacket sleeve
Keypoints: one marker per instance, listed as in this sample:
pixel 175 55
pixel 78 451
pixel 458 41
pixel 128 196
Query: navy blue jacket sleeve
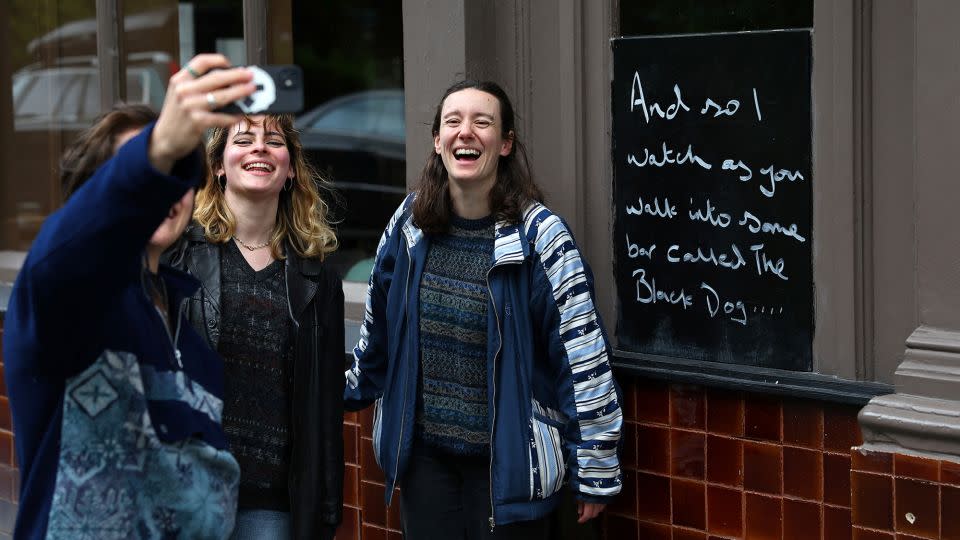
pixel 87 252
pixel 366 378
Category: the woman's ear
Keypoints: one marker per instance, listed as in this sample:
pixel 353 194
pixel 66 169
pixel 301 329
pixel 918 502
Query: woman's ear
pixel 507 144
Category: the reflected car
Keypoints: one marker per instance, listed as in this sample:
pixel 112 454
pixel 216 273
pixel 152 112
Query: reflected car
pixel 358 141
pixel 52 103
pixel 66 96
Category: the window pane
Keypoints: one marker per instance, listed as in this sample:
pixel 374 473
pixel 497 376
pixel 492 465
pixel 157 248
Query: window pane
pixel 638 18
pixel 54 90
pixel 51 53
pixel 150 30
pixel 91 98
pixel 68 93
pixel 352 126
pixel 392 122
pixel 35 96
pixel 357 115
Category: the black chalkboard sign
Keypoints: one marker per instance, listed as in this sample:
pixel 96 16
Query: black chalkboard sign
pixel 713 197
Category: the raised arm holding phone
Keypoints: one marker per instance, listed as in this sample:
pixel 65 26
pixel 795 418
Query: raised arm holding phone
pixel 116 402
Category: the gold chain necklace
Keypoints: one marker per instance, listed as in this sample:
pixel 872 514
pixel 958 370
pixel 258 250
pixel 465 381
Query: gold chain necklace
pixel 249 247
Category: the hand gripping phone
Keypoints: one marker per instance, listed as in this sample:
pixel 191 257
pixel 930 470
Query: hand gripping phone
pixel 279 90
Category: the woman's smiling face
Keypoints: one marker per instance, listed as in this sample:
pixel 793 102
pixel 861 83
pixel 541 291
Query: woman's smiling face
pixel 470 140
pixel 256 160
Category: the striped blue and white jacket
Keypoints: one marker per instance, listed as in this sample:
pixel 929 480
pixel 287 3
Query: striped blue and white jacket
pixel 554 407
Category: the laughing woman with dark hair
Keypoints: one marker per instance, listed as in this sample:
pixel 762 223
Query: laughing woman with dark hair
pixel 481 345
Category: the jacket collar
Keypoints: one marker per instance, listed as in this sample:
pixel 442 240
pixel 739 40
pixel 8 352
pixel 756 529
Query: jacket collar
pixel 300 289
pixel 180 285
pixel 509 246
pixel 204 263
pixel 203 260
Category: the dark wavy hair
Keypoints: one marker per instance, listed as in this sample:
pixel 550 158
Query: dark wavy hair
pixel 513 190
pixel 94 146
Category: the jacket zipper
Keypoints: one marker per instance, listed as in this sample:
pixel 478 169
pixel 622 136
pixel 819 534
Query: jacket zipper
pixel 293 360
pixel 175 338
pixel 406 375
pixel 286 285
pixel 176 335
pixel 493 394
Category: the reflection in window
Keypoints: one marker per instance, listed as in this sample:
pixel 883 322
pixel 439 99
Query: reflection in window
pixel 55 91
pixel 68 107
pixel 57 98
pixel 56 94
pixel 346 48
pixel 364 114
pixel 356 116
pixel 352 127
pixel 69 97
pixel 51 54
pixel 33 96
pixel 392 122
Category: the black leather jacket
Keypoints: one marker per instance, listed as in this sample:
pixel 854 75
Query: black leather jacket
pixel 315 298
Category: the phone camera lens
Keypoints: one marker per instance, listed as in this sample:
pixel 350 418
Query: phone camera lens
pixel 288 78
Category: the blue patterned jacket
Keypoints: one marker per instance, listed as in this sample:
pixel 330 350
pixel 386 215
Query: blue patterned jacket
pixel 554 407
pixel 117 419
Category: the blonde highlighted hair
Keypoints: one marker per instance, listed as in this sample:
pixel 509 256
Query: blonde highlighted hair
pixel 301 212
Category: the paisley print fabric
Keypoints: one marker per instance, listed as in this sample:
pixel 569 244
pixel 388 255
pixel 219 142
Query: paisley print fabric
pixel 117 480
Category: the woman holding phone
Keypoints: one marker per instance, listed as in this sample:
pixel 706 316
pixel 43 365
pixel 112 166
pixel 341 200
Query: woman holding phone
pixel 116 404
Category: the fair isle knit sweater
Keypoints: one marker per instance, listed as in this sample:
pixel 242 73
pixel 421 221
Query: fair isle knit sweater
pixel 452 409
pixel 255 345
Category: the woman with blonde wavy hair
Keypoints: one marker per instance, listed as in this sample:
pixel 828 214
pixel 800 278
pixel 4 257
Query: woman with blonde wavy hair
pixel 274 310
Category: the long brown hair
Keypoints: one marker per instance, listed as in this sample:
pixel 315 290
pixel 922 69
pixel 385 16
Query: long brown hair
pixel 513 190
pixel 301 213
pixel 94 146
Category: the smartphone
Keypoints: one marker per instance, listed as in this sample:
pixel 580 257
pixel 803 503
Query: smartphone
pixel 279 90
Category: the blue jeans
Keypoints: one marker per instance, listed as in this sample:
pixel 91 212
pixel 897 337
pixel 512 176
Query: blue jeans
pixel 261 525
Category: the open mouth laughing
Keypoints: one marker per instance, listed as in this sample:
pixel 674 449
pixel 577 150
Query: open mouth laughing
pixel 466 154
pixel 259 167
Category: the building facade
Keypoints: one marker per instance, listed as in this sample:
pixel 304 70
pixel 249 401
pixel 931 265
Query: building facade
pixel 863 444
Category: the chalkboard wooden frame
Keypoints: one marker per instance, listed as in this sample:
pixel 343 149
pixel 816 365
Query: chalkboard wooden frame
pixel 657 146
pixel 804 385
